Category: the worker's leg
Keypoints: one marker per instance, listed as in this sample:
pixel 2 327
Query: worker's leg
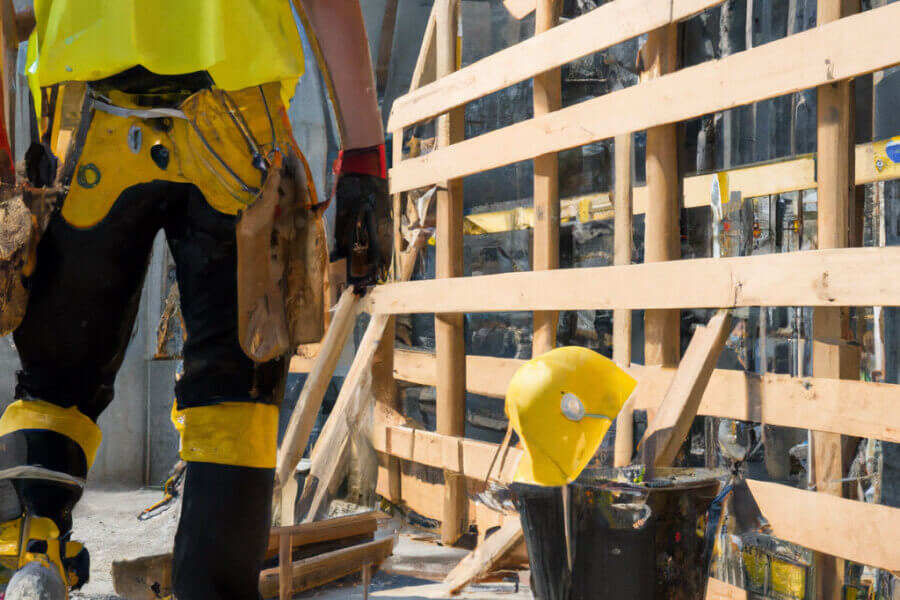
pixel 84 297
pixel 227 413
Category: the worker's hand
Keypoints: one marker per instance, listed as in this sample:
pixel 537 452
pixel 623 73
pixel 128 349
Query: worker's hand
pixel 363 220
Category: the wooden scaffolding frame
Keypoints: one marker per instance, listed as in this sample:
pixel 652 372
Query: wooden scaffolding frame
pixel 832 403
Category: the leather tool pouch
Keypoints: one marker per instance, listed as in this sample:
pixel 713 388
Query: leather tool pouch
pixel 282 258
pixel 18 230
pixel 24 216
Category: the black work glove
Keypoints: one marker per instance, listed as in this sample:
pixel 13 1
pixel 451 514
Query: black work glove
pixel 363 219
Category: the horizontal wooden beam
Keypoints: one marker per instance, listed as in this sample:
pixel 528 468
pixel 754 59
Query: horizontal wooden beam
pixel 318 570
pixel 601 28
pixel 858 531
pixel 328 530
pixel 751 181
pixel 460 455
pixel 857 408
pixel 720 590
pixel 841 49
pixel 485 375
pixel 841 277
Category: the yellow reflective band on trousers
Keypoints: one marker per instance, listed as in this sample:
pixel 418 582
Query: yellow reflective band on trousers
pixel 241 434
pixel 70 422
pixel 241 43
pixel 123 151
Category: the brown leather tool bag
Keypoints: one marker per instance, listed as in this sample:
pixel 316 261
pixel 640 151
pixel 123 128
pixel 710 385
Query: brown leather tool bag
pixel 17 230
pixel 282 258
pixel 24 217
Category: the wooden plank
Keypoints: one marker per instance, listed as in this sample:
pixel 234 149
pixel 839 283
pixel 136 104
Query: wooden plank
pixel 485 556
pixel 775 177
pixel 448 328
pixel 310 401
pixel 841 277
pixel 313 572
pixel 834 174
pixel 662 237
pixel 519 9
pixel 326 470
pixel 623 449
pixel 485 375
pixel 328 530
pixel 425 70
pixel 856 531
pixel 846 48
pixel 468 458
pixel 667 432
pixel 545 251
pixel 603 27
pixel 427 499
pixel 623 232
pixel 285 564
pixel 719 590
pixel 757 180
pixel 857 408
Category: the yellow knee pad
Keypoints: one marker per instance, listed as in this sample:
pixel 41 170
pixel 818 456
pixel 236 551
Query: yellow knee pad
pixel 243 434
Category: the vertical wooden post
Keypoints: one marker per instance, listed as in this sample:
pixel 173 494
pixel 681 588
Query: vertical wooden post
pixel 384 387
pixel 662 234
pixel 448 328
pixel 285 567
pixel 622 213
pixel 622 196
pixel 545 253
pixel 832 359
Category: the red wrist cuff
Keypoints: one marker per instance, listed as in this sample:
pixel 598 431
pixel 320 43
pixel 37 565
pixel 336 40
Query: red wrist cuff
pixel 362 161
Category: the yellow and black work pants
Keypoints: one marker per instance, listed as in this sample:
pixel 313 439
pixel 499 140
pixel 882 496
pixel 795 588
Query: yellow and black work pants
pixel 84 298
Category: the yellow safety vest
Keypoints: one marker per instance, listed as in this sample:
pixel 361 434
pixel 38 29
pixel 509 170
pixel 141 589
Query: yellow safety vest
pixel 241 43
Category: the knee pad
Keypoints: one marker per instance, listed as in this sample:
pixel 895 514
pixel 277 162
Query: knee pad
pixel 241 434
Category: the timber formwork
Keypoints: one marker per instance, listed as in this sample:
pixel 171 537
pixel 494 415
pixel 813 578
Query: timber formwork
pixel 834 404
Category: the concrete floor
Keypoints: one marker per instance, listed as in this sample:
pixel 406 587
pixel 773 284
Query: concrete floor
pixel 106 522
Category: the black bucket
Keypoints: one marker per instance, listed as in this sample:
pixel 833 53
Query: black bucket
pixel 627 540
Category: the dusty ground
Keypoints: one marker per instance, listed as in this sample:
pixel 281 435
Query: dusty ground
pixel 106 521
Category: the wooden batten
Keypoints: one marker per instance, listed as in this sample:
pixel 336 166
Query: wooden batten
pixel 858 531
pixel 448 327
pixel 840 277
pixel 857 408
pixel 846 48
pixel 313 572
pixel 545 250
pixel 667 431
pixel 601 28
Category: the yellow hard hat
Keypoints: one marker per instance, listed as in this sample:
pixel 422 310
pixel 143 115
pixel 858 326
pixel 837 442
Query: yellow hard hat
pixel 573 381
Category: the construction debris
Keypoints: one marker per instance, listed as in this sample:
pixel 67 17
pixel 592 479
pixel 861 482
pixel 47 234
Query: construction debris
pixel 325 568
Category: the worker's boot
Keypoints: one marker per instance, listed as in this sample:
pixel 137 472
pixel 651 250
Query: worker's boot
pixel 36 563
pixel 42 471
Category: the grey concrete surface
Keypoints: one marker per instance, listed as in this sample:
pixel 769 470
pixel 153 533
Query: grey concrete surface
pixel 106 522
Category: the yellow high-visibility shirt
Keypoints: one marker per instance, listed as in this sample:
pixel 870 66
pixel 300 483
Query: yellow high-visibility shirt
pixel 241 43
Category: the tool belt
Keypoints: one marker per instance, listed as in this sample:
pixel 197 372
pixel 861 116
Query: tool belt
pixel 236 147
pixel 17 234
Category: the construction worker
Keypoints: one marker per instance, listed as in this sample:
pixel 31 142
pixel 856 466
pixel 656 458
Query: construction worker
pixel 171 115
